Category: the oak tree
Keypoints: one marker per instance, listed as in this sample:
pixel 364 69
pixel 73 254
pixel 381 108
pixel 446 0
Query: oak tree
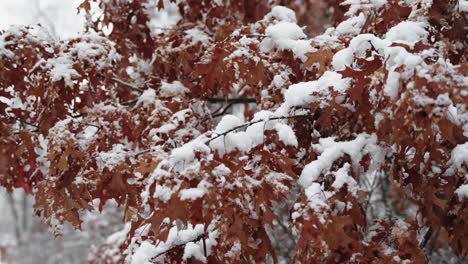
pixel 307 131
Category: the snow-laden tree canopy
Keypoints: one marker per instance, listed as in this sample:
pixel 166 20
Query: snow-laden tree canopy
pixel 249 132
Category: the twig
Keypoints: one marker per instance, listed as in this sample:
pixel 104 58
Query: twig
pixel 25 122
pixel 79 115
pixel 126 103
pixel 126 84
pixel 286 230
pixel 142 152
pixel 432 240
pixel 426 238
pixel 90 124
pixel 239 127
pixel 217 110
pixel 255 122
pixel 181 244
pixel 204 247
pixel 222 112
pixel 123 83
pixel 230 100
pixel 255 35
pixel 371 191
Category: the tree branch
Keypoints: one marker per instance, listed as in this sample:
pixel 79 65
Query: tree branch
pixel 208 99
pixel 230 100
pixel 255 122
pixel 426 237
pixel 222 112
pixel 90 124
pixel 239 127
pixel 79 115
pixel 126 84
pixel 204 247
pixel 36 128
pixel 200 237
pixel 142 152
pixel 127 103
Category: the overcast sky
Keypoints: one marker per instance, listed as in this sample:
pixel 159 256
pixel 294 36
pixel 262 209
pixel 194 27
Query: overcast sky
pixel 60 16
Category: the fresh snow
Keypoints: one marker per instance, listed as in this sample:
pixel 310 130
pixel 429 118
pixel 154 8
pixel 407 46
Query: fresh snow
pixel 194 250
pixel 186 153
pixel 462 192
pixel 407 32
pixel 330 151
pixel 286 134
pixel 281 13
pixel 305 93
pixel 463 5
pixel 147 98
pixel 285 34
pixel 194 193
pixel 113 157
pixel 284 31
pixel 351 26
pixel 458 158
pixel 173 89
pixel 196 35
pixel 146 251
pixel 233 140
pixel 61 68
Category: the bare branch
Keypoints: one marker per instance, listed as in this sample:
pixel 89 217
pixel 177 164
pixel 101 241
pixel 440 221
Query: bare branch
pixel 36 127
pixel 255 122
pixel 241 126
pixel 126 84
pixel 426 237
pixel 90 124
pixel 230 100
pixel 224 110
pixel 130 102
pixel 200 237
pixel 79 115
pixel 142 152
pixel 204 247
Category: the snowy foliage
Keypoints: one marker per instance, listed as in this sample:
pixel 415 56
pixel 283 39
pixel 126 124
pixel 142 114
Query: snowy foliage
pixel 243 124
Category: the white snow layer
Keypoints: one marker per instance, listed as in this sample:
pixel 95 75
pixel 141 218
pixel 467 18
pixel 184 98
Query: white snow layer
pixel 282 13
pixel 303 94
pixel 462 191
pixel 285 34
pixel 176 237
pixel 406 32
pixel 330 151
pixel 463 5
pixel 173 89
pixel 458 158
pixel 147 98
